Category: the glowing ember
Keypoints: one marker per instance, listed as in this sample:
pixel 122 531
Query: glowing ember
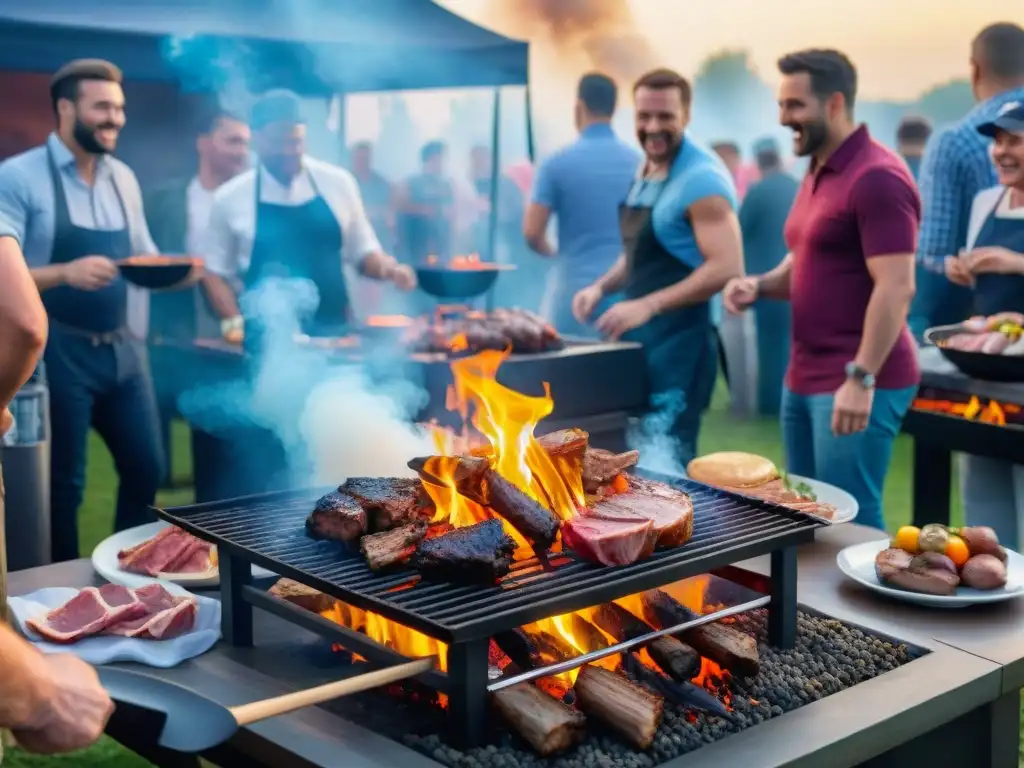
pixel 992 412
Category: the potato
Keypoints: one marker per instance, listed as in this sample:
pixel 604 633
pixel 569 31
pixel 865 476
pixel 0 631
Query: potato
pixel 984 572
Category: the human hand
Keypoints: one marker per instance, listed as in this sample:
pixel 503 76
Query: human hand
pixel 994 260
pixel 74 711
pixel 90 273
pixel 403 277
pixel 851 408
pixel 739 294
pixel 584 301
pixel 6 421
pixel 624 317
pixel 957 271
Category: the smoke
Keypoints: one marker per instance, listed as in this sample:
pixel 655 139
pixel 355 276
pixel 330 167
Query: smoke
pixel 333 421
pixel 651 435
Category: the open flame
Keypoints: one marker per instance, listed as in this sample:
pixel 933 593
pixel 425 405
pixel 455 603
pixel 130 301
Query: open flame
pixel 993 412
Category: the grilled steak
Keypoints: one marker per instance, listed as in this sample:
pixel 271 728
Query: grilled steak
pixel 776 492
pixel 337 517
pixel 930 572
pixel 480 553
pixel 390 548
pixel 669 509
pixel 388 501
pixel 600 467
pixel 610 540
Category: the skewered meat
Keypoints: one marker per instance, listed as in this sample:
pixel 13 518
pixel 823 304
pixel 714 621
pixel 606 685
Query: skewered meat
pixel 474 479
pixel 390 548
pixel 337 517
pixel 480 553
pixel 389 502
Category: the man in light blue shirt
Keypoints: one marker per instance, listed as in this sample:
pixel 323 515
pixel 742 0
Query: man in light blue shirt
pixel 583 186
pixel 75 211
pixel 681 245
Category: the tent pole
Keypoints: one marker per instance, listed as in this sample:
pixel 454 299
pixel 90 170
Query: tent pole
pixel 492 224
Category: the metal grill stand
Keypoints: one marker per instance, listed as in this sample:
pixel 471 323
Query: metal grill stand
pixel 257 530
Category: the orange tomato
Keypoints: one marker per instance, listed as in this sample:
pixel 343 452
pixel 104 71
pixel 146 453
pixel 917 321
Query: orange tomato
pixel 957 551
pixel 620 484
pixel 906 538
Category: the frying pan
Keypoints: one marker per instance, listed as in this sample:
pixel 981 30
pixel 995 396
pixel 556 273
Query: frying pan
pixel 193 723
pixel 448 283
pixel 163 272
pixel 977 365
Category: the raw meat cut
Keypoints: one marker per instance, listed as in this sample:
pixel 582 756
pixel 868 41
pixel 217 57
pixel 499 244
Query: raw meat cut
pixel 670 509
pixel 170 551
pixel 610 540
pixel 165 616
pixel 89 612
pixel 480 553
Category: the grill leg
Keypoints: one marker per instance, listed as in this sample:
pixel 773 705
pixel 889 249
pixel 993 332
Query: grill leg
pixel 467 692
pixel 235 610
pixel 782 609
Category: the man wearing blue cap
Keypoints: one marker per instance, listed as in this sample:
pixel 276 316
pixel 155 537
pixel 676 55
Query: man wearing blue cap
pixel 993 491
pixel 292 216
pixel 762 219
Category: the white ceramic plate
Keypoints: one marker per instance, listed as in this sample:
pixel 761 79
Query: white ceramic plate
pixel 858 562
pixel 846 506
pixel 104 561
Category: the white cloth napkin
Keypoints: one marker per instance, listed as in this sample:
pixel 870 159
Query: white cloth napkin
pixel 106 649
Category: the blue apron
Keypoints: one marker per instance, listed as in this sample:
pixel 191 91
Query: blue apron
pixel 299 241
pixel 995 293
pixel 291 241
pixel 680 346
pixel 98 377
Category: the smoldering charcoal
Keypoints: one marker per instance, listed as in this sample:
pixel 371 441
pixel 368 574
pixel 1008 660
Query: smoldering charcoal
pixel 829 656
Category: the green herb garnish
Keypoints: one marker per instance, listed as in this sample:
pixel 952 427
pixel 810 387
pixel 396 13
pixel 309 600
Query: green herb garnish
pixel 802 489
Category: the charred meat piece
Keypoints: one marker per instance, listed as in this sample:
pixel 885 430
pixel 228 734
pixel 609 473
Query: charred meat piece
pixel 478 554
pixel 392 548
pixel 929 572
pixel 336 517
pixel 474 479
pixel 600 467
pixel 301 595
pixel 389 502
pixel 571 443
pixel 670 509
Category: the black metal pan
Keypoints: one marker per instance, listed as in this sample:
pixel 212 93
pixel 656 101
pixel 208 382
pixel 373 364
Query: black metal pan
pixel 448 283
pixel 977 365
pixel 193 723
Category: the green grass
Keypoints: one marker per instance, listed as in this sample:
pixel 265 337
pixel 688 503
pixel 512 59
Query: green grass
pixel 722 431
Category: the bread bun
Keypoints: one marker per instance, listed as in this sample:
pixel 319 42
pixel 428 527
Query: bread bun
pixel 732 469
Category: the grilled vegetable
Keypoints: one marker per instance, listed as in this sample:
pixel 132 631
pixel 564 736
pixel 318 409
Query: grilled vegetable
pixel 933 538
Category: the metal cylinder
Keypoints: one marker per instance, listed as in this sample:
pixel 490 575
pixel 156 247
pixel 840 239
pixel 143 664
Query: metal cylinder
pixel 25 460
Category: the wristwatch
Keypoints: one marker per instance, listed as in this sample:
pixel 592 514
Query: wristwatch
pixel 860 375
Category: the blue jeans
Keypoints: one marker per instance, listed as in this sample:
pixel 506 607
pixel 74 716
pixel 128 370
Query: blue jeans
pixel 856 463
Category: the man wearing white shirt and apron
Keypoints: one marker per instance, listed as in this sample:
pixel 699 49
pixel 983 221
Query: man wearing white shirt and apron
pixel 75 211
pixel 292 216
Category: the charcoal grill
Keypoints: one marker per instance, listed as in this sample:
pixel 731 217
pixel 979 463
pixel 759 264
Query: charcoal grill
pixel 268 530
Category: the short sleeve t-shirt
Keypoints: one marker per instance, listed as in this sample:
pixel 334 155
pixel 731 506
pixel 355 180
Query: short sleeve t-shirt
pixel 862 204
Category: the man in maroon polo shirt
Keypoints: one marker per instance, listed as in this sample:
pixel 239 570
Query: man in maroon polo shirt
pixel 849 276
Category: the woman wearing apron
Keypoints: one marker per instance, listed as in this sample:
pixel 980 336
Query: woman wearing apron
pixel 993 491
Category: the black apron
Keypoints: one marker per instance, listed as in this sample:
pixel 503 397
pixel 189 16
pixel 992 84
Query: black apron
pixel 680 345
pixel 299 241
pixel 98 377
pixel 994 293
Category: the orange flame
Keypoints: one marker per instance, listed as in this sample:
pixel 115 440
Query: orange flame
pixel 993 412
pixel 390 634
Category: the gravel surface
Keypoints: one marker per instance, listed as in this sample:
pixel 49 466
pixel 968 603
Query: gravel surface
pixel 829 656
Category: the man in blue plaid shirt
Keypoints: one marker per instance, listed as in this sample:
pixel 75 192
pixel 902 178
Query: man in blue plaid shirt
pixel 957 166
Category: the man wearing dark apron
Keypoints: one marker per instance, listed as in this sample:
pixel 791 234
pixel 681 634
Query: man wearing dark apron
pixel 682 244
pixel 993 491
pixel 76 211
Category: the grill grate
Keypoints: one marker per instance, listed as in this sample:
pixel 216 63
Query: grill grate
pixel 268 530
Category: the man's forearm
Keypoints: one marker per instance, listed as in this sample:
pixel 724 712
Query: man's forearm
pixel 886 315
pixel 23 681
pixel 615 278
pixel 378 266
pixel 775 284
pixel 540 246
pixel 699 286
pixel 50 276
pixel 23 324
pixel 221 296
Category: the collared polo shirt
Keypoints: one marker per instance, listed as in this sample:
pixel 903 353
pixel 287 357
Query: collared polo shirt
pixel 861 204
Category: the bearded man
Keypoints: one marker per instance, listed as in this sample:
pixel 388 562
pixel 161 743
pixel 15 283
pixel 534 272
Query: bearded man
pixel 849 278
pixel 681 245
pixel 72 211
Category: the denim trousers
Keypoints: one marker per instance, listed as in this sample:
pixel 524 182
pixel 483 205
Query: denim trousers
pixel 856 463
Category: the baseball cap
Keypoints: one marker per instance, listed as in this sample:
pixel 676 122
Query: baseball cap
pixel 1010 119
